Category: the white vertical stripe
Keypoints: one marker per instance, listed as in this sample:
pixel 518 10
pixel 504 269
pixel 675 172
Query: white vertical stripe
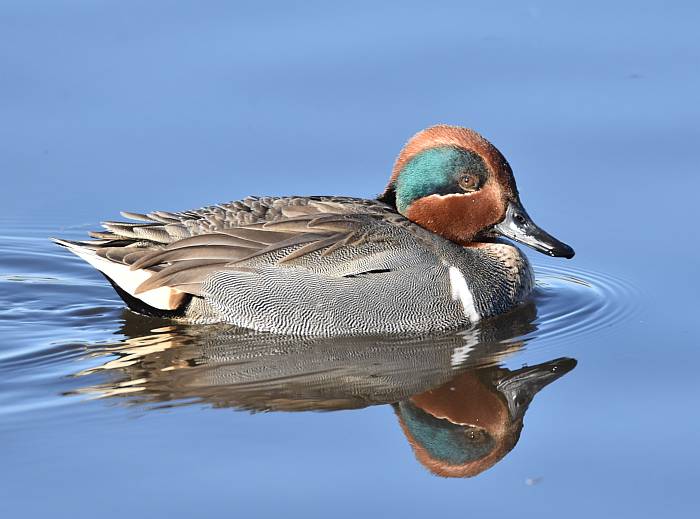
pixel 460 353
pixel 461 292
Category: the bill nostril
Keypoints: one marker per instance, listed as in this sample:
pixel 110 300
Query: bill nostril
pixel 519 218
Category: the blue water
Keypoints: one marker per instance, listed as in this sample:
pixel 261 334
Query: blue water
pixel 109 106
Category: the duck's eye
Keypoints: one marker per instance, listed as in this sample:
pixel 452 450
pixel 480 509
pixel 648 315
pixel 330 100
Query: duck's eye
pixel 469 182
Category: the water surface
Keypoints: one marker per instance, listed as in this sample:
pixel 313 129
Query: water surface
pixel 108 106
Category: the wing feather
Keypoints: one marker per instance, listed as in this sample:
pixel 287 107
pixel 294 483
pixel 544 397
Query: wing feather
pixel 181 250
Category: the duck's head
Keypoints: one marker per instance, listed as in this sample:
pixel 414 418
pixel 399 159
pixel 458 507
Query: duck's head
pixel 453 182
pixel 467 425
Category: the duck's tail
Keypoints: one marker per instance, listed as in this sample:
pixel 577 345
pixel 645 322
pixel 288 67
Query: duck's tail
pixel 161 302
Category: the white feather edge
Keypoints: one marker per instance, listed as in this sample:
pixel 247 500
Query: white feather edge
pixel 128 280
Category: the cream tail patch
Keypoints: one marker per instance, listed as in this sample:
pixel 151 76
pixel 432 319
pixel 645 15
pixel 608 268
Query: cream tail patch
pixel 163 298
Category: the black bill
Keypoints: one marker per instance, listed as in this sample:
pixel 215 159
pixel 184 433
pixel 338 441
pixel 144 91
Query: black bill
pixel 520 386
pixel 518 226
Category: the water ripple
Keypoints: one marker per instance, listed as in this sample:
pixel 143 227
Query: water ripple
pixel 572 302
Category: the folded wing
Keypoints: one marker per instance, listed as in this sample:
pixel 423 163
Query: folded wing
pixel 165 258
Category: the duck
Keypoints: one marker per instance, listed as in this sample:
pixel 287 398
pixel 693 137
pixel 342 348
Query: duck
pixel 425 255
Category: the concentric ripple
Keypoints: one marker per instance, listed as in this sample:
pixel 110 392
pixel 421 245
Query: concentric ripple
pixel 572 302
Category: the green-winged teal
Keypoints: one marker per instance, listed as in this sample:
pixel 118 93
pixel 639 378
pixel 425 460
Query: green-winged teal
pixel 422 256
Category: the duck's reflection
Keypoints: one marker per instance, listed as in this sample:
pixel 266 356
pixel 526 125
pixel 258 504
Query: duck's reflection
pixel 459 409
pixel 468 424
